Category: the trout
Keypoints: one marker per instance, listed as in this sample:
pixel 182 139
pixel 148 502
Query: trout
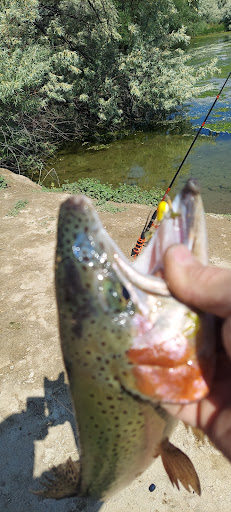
pixel 128 347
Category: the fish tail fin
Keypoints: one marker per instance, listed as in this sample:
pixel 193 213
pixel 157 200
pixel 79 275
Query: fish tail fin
pixel 63 481
pixel 179 467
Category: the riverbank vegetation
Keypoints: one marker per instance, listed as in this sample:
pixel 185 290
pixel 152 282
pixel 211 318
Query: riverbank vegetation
pixel 201 17
pixel 75 69
pixel 104 192
pixel 215 12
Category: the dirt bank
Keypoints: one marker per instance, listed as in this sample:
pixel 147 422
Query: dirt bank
pixel 37 428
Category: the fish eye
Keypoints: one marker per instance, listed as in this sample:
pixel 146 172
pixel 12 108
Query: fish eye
pixel 114 296
pixel 125 293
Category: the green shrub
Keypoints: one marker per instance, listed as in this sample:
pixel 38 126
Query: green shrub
pixel 74 69
pixel 105 192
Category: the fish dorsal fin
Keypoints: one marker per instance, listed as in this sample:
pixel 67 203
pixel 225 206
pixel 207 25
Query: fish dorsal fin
pixel 63 483
pixel 179 467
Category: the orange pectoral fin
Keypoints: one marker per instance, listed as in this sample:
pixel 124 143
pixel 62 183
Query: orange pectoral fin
pixel 179 467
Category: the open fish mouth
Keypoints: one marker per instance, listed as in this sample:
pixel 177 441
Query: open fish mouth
pixel 174 357
pixel 184 223
pixel 169 349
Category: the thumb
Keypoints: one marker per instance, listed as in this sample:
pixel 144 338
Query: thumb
pixel 206 288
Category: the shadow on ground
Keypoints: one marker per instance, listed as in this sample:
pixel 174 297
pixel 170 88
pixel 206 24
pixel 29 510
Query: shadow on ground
pixel 18 434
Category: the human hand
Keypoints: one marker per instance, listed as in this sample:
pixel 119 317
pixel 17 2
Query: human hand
pixel 207 289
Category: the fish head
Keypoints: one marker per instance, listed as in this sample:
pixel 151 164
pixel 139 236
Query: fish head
pixel 93 304
pixel 123 314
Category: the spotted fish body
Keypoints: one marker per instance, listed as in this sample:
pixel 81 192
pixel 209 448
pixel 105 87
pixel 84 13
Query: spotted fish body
pixel 118 433
pixel 120 364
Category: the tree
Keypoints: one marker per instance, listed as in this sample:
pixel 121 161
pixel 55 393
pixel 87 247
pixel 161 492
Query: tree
pixel 215 11
pixel 76 68
pixel 210 11
pixel 226 12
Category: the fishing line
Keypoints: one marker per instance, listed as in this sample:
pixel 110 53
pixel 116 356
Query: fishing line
pixel 141 240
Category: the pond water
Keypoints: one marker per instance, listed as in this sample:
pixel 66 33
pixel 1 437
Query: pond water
pixel 151 159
